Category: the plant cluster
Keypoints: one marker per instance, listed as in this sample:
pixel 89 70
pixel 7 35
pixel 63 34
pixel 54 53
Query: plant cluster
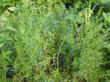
pixel 54 41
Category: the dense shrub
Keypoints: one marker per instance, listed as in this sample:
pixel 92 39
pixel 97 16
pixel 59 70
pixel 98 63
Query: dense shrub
pixel 55 41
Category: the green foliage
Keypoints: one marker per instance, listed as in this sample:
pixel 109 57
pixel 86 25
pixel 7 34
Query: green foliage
pixel 4 4
pixel 46 42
